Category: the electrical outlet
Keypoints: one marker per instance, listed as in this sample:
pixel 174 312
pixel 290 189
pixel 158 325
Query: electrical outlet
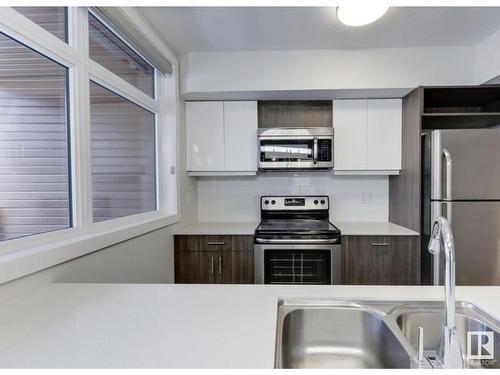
pixel 366 198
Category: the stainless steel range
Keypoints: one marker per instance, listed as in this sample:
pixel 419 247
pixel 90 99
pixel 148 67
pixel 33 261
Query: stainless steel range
pixel 295 243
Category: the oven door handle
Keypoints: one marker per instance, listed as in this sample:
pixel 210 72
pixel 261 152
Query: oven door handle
pixel 299 241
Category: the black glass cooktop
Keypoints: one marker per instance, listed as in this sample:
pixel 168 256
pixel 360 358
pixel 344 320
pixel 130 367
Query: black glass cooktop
pixel 296 226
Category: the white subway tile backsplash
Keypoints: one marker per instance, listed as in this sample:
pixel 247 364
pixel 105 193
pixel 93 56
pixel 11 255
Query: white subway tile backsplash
pixel 352 198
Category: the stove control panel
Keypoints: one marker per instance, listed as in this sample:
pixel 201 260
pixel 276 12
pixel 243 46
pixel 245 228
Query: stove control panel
pixel 294 203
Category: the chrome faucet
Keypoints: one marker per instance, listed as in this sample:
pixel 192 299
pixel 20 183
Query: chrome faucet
pixel 448 352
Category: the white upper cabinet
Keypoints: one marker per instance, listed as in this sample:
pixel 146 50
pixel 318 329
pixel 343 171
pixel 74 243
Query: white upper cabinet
pixel 349 123
pixel 367 136
pixel 384 134
pixel 205 136
pixel 221 137
pixel 240 136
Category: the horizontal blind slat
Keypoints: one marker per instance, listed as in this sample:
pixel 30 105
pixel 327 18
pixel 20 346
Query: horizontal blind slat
pixel 122 156
pixel 34 181
pixel 52 19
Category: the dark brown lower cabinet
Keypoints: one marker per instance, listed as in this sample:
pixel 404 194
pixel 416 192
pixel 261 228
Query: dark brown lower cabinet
pixel 197 267
pixel 213 259
pixel 238 267
pixel 381 260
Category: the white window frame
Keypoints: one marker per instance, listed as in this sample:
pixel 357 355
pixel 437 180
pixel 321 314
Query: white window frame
pixel 22 256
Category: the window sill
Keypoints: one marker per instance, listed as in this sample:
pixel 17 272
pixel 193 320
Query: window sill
pixel 23 262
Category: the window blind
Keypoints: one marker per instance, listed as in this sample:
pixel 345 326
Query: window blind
pixel 121 24
pixel 123 156
pixel 34 179
pixel 52 19
pixel 114 54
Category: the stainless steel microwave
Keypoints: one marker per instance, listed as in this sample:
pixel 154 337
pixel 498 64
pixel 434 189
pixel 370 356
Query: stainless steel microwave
pixel 295 148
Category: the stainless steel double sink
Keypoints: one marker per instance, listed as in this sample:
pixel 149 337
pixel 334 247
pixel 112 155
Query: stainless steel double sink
pixel 373 334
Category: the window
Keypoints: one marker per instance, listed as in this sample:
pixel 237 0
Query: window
pixel 107 49
pixel 123 156
pixel 52 19
pixel 34 151
pixel 87 159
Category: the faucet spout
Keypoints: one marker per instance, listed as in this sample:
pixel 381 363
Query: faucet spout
pixel 449 348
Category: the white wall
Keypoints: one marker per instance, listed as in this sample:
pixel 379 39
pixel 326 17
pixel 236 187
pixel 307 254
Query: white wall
pixel 488 59
pixel 327 69
pixel 352 198
pixel 187 188
pixel 145 259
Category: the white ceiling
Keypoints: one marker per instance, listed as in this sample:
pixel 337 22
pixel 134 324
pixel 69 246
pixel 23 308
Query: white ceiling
pixel 287 28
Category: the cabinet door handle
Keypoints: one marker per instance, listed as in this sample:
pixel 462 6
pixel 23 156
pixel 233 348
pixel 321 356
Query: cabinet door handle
pixel 220 265
pixel 212 243
pixel 212 266
pixel 381 244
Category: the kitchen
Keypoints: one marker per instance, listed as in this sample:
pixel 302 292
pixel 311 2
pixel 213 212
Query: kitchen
pixel 217 182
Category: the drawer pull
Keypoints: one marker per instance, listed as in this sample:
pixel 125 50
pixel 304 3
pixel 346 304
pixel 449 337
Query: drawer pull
pixel 220 265
pixel 381 244
pixel 214 243
pixel 212 266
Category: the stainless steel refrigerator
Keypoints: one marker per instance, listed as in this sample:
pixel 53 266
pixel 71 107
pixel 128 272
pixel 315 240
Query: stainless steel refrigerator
pixel 461 181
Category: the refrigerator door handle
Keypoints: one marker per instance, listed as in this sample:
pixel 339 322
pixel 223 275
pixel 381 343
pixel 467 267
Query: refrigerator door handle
pixel 449 169
pixel 436 165
pixel 436 211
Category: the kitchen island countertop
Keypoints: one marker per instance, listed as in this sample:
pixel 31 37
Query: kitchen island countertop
pixel 165 325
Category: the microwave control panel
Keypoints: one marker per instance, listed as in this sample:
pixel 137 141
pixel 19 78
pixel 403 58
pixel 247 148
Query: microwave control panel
pixel 324 150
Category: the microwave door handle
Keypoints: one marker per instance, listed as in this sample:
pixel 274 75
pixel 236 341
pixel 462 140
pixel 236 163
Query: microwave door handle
pixel 315 150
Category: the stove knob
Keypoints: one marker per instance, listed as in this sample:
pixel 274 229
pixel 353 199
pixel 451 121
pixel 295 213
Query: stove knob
pixel 322 201
pixel 315 201
pixel 273 202
pixel 266 202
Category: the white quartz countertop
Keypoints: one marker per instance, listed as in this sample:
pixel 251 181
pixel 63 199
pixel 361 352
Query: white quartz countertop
pixel 360 228
pixel 214 228
pixel 170 326
pixel 373 228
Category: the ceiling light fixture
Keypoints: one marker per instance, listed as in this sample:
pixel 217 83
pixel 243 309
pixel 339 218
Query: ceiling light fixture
pixel 359 15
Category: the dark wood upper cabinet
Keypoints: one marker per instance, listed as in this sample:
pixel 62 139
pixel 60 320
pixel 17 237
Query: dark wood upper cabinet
pixel 213 259
pixel 381 260
pixel 465 107
pixel 294 113
pixel 462 99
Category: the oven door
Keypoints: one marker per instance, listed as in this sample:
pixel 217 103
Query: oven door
pixel 295 153
pixel 305 264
